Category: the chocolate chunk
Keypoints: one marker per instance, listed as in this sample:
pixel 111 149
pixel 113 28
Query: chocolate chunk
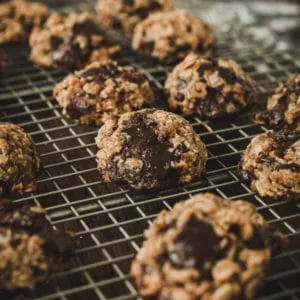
pixel 86 28
pixel 77 107
pixel 228 75
pixel 283 107
pixel 145 143
pixel 55 42
pixel 68 53
pixel 100 74
pixel 196 244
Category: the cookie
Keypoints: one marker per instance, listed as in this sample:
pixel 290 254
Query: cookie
pixel 17 19
pixel 150 149
pixel 206 248
pixel 283 108
pixel 101 91
pixel 69 41
pixel 170 36
pixel 19 161
pixel 209 88
pixel 125 15
pixel 30 249
pixel 272 164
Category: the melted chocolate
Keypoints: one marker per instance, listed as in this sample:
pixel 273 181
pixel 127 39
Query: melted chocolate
pixel 77 108
pixel 196 244
pixel 86 28
pixel 55 42
pixel 147 46
pixel 68 55
pixel 228 75
pixel 145 143
pixel 284 139
pixel 275 118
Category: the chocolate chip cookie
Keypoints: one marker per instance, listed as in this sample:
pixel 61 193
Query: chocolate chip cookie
pixel 69 41
pixel 206 248
pixel 272 163
pixel 19 161
pixel 283 108
pixel 209 88
pixel 150 149
pixel 170 36
pixel 101 91
pixel 30 249
pixel 17 19
pixel 125 15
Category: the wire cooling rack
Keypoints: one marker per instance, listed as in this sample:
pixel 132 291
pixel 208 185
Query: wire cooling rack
pixel 110 220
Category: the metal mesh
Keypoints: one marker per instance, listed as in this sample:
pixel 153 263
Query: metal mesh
pixel 108 219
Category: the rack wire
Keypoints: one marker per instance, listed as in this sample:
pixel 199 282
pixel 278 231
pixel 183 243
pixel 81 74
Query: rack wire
pixel 108 219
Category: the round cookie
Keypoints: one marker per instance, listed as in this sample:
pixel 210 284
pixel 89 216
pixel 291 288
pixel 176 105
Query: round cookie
pixel 205 248
pixel 30 249
pixel 150 149
pixel 272 163
pixel 283 108
pixel 17 19
pixel 209 88
pixel 125 15
pixel 170 36
pixel 101 91
pixel 69 41
pixel 19 161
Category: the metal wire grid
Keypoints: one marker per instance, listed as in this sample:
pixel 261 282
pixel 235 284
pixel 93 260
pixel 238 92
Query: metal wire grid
pixel 110 220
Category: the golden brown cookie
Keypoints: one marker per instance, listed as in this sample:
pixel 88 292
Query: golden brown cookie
pixel 103 90
pixel 150 149
pixel 205 248
pixel 209 88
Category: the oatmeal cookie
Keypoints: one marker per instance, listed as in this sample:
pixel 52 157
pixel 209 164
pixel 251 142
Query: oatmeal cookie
pixel 283 108
pixel 17 19
pixel 101 91
pixel 125 15
pixel 209 88
pixel 170 36
pixel 272 163
pixel 205 248
pixel 30 249
pixel 19 161
pixel 150 149
pixel 70 41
